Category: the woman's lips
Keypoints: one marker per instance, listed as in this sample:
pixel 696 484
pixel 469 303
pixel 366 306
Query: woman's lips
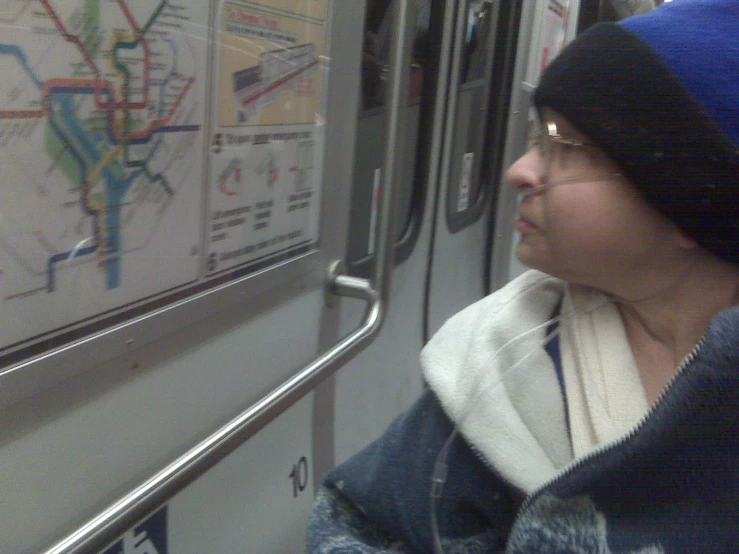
pixel 523 225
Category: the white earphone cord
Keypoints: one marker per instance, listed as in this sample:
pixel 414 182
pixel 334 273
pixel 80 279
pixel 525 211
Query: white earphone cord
pixel 438 479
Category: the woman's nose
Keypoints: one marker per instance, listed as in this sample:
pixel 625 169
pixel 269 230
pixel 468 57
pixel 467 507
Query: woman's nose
pixel 525 173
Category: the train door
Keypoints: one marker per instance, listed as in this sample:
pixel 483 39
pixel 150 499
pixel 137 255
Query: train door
pixel 174 187
pixel 483 35
pixel 460 72
pixel 371 390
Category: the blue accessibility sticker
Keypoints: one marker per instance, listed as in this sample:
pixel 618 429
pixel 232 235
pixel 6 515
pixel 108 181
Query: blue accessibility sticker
pixel 148 537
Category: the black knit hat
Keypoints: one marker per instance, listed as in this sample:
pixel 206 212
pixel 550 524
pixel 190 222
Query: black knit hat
pixel 659 93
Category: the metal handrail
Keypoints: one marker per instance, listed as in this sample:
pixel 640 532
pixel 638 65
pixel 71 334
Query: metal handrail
pixel 128 510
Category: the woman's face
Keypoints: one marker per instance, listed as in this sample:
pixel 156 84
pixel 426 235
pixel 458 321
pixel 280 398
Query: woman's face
pixel 579 219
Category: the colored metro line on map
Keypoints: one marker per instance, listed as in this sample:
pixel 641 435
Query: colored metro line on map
pixel 103 95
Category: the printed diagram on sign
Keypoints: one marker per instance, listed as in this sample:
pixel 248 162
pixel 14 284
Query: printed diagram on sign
pixel 302 171
pixel 253 168
pixel 229 180
pixel 291 165
pixel 263 196
pixel 279 72
pixel 304 168
pixel 269 168
pixel 270 70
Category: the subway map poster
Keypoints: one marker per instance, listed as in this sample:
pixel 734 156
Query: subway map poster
pixel 147 146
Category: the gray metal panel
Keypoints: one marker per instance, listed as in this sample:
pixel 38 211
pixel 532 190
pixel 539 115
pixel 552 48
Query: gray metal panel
pixel 385 379
pixel 49 370
pixel 468 132
pixel 457 273
pixel 349 20
pixel 71 449
pixel 370 144
pixel 209 516
pixel 453 70
pixel 346 51
pixel 504 252
pixel 468 117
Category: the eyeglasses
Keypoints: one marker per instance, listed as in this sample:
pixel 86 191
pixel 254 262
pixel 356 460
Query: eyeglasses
pixel 546 138
pixel 567 160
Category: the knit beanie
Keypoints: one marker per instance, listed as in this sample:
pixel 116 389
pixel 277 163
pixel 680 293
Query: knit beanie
pixel 659 93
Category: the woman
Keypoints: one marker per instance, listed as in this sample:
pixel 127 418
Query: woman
pixel 591 405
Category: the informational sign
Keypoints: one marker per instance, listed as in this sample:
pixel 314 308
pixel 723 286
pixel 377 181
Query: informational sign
pixel 264 194
pixel 148 537
pixel 376 187
pixel 463 196
pixel 554 30
pixel 129 169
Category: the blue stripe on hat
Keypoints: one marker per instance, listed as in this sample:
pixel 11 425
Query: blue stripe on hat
pixel 699 41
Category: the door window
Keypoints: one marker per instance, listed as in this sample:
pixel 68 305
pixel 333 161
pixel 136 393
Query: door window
pixel 372 128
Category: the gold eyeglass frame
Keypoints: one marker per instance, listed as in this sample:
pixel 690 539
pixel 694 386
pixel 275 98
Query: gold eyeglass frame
pixel 536 140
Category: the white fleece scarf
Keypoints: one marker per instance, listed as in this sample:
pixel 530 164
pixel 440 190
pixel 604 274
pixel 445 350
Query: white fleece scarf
pixel 497 383
pixel 605 395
